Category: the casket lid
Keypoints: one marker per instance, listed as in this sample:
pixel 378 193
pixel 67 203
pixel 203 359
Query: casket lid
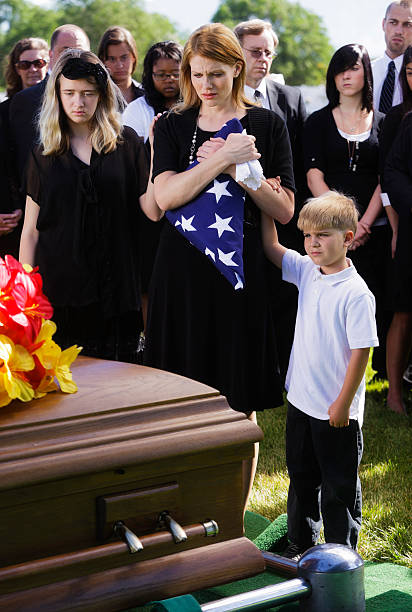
pixel 122 414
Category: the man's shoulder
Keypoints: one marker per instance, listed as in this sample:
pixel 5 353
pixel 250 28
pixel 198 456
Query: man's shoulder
pixel 28 98
pixel 378 62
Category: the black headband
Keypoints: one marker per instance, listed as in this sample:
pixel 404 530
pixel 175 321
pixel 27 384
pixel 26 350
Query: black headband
pixel 77 68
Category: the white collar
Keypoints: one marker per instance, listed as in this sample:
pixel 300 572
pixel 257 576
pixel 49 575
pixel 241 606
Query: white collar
pixel 338 277
pixel 398 61
pixel 261 88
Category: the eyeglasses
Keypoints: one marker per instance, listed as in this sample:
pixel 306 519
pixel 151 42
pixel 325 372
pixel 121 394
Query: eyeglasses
pixel 25 64
pixel 257 53
pixel 162 76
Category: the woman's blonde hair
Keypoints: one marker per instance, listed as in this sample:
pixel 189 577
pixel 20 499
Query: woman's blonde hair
pixel 217 42
pixel 332 210
pixel 105 125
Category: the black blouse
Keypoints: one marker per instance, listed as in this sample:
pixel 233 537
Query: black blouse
pixel 398 170
pixel 327 150
pixel 173 138
pixel 87 250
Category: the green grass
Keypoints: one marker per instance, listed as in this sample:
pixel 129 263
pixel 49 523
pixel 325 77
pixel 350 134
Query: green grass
pixel 385 472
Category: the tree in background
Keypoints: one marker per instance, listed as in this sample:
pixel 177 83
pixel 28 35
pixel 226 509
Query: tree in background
pixel 20 18
pixel 304 48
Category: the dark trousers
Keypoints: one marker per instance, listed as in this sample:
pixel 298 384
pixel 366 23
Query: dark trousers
pixel 323 466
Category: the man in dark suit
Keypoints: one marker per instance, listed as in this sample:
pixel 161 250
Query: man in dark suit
pixel 259 41
pixel 25 105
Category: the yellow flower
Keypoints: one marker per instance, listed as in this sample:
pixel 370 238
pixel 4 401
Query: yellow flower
pixel 55 361
pixel 63 373
pixel 14 361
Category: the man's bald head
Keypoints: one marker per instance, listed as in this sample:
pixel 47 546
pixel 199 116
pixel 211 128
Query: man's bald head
pixel 67 36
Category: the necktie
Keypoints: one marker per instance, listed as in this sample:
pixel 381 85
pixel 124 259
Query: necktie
pixel 385 102
pixel 257 97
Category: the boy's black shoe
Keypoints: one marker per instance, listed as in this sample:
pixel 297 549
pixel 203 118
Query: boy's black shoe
pixel 293 552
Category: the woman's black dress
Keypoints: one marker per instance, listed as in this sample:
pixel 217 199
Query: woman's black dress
pixel 87 250
pixel 328 151
pixel 10 199
pixel 198 325
pixel 398 184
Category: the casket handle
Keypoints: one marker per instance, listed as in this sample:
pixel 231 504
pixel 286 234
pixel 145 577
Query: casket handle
pixel 178 533
pixel 131 540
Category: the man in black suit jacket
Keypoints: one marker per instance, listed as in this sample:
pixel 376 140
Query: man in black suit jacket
pixel 259 41
pixel 25 105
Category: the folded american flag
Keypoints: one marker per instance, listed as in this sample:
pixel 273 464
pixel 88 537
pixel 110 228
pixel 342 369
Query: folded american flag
pixel 213 221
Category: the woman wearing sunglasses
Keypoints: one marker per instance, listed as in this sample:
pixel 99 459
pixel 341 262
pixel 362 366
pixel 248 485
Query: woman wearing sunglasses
pixel 26 66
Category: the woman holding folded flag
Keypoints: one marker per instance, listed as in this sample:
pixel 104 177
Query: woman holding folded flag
pixel 208 320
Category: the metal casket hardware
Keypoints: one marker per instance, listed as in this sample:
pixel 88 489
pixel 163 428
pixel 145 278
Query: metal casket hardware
pixel 131 540
pixel 178 533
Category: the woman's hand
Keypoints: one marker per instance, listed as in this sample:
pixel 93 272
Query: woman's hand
pixel 363 232
pixel 8 221
pixel 240 148
pixel 151 129
pixel 208 148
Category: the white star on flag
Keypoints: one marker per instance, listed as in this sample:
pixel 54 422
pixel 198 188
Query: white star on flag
pixel 222 225
pixel 187 224
pixel 219 189
pixel 226 258
pixel 239 284
pixel 210 253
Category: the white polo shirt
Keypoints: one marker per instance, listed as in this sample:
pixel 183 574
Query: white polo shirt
pixel 336 313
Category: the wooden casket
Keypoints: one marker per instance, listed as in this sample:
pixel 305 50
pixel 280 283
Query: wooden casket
pixel 134 451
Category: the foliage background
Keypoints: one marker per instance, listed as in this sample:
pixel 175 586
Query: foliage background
pixel 303 53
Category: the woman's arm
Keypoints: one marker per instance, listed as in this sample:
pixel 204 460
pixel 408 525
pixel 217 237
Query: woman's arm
pixel 368 218
pixel 277 204
pixel 174 189
pixel 30 234
pixel 316 182
pixel 147 201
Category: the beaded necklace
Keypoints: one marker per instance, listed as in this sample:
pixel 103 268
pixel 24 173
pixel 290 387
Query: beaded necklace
pixel 193 145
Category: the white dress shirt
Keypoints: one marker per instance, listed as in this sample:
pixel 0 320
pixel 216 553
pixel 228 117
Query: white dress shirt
pixel 379 71
pixel 250 93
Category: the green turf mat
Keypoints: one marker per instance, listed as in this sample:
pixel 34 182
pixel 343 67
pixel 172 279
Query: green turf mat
pixel 254 524
pixel 388 587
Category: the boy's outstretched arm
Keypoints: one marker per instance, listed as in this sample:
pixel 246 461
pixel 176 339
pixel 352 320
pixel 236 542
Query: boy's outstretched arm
pixel 273 249
pixel 339 410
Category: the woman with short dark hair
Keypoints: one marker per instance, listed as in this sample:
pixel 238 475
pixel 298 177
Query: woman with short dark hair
pixel 341 151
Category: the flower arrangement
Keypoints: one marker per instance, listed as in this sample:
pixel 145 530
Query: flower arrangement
pixel 30 360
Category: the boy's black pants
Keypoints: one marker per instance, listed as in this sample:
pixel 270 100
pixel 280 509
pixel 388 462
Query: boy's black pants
pixel 323 466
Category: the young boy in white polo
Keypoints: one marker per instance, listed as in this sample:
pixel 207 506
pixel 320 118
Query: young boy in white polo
pixel 335 328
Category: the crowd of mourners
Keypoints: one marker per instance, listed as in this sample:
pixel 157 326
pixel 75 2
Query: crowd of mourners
pixel 94 167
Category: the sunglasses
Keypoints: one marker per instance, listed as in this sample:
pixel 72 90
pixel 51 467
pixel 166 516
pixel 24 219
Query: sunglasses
pixel 25 64
pixel 257 53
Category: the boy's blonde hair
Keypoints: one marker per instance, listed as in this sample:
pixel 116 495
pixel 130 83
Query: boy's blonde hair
pixel 332 210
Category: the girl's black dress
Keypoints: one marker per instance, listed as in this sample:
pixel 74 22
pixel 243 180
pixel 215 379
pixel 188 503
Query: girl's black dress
pixel 88 251
pixel 328 151
pixel 198 325
pixel 398 183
